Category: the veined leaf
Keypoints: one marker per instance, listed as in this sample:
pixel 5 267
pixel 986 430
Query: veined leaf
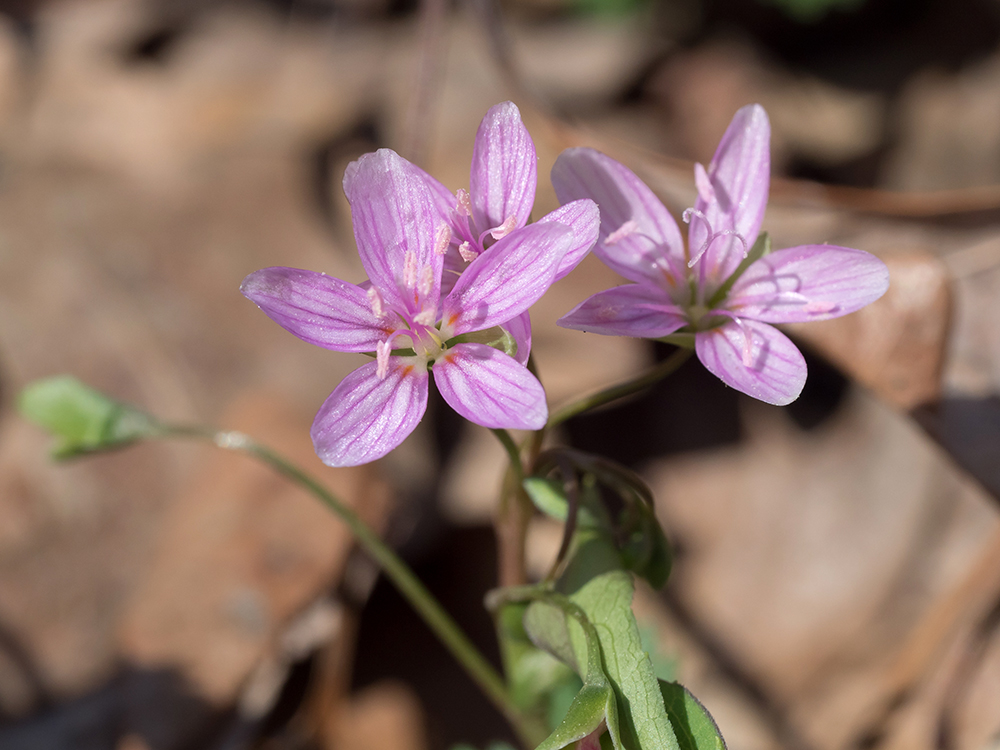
pixel 694 726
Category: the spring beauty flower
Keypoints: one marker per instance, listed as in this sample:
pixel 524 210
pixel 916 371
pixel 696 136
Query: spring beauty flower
pixel 713 288
pixel 498 203
pixel 401 315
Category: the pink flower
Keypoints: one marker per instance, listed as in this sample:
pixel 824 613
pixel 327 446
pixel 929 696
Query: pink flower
pixel 498 204
pixel 705 289
pixel 402 315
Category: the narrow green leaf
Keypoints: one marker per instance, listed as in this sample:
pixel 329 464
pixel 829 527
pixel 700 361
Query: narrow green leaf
pixel 80 418
pixel 693 724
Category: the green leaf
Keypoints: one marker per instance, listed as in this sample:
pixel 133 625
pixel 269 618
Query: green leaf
pixel 532 674
pixel 646 550
pixel 694 726
pixel 548 496
pixel 82 419
pixel 594 581
pixel 548 629
pixel 590 707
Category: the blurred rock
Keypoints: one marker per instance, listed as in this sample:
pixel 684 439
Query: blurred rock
pixel 701 89
pixel 384 715
pixel 948 130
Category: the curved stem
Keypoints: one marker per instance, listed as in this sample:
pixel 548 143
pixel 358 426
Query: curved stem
pixel 439 621
pixel 606 396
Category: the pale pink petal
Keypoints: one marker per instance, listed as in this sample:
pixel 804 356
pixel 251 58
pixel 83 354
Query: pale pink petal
pixel 507 279
pixel 366 417
pixel 444 200
pixel 639 310
pixel 771 369
pixel 810 282
pixel 738 177
pixel 519 327
pixel 317 308
pixel 643 233
pixel 584 218
pixel 396 226
pixel 489 388
pixel 504 169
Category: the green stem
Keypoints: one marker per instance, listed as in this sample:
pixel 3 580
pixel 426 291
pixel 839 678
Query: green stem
pixel 606 396
pixel 439 621
pixel 513 452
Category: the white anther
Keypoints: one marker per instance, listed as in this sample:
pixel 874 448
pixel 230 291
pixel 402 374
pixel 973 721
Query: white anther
pixel 426 281
pixel 704 184
pixel 508 226
pixel 410 270
pixel 382 350
pixel 467 253
pixel 425 317
pixel 626 229
pixel 442 240
pixel 464 205
pixel 375 300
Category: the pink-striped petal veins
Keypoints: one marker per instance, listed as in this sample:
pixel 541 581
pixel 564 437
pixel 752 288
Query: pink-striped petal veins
pixel 637 232
pixel 639 310
pixel 754 358
pixel 519 328
pixel 504 171
pixel 809 282
pixel 584 218
pixel 396 227
pixel 367 416
pixel 732 193
pixel 507 279
pixel 489 388
pixel 317 308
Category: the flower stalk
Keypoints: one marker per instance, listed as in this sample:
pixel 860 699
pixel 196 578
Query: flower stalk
pixel 406 582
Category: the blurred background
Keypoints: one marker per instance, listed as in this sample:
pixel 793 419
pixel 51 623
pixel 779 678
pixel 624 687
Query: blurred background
pixel 838 576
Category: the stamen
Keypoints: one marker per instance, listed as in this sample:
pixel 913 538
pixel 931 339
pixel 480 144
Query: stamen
pixel 820 307
pixel 410 270
pixel 628 228
pixel 375 300
pixel 467 253
pixel 426 281
pixel 442 240
pixel 464 206
pixel 701 180
pixel 382 350
pixel 508 226
pixel 425 317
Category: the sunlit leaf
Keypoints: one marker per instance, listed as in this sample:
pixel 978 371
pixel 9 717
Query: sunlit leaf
pixel 81 419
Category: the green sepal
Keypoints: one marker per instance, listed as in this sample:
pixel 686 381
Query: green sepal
pixel 81 419
pixel 498 337
pixel 682 339
pixel 693 724
pixel 760 248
